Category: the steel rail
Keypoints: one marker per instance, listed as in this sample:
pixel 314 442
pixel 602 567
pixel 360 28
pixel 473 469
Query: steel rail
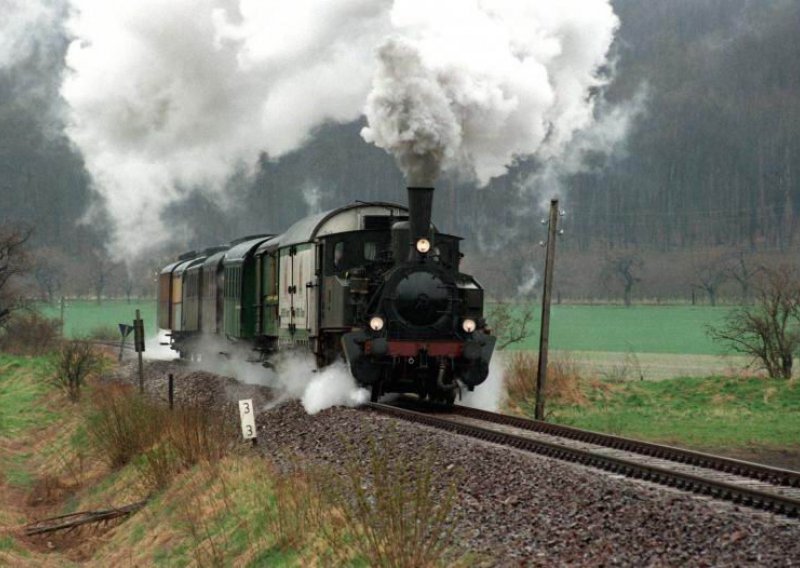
pixel 681 480
pixel 761 472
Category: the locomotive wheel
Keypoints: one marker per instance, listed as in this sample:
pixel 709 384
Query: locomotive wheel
pixel 375 392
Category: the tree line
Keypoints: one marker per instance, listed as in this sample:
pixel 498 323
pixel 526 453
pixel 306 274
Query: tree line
pixel 709 169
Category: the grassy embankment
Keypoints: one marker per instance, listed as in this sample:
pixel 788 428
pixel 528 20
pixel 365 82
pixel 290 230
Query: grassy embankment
pixel 751 417
pixel 712 412
pixel 721 407
pixel 210 503
pixel 206 514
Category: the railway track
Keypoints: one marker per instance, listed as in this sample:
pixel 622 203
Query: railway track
pixel 749 484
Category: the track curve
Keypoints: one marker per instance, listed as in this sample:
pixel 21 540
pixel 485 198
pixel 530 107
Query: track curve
pixel 683 469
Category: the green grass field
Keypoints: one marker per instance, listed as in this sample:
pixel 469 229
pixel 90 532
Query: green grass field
pixel 83 316
pixel 638 329
pixel 711 412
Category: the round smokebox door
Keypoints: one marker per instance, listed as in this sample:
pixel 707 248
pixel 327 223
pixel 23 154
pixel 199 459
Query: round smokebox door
pixel 422 298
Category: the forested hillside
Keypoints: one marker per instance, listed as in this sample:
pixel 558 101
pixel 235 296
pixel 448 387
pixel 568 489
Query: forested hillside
pixel 716 159
pixel 711 162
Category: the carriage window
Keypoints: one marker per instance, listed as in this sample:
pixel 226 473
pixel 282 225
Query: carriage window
pixel 370 250
pixel 338 256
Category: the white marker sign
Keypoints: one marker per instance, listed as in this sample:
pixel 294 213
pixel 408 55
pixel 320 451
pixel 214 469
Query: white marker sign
pixel 248 419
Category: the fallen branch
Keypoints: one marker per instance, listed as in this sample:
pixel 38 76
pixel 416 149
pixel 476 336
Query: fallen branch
pixel 74 520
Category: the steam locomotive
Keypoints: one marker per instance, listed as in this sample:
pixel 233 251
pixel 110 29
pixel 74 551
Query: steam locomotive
pixel 373 283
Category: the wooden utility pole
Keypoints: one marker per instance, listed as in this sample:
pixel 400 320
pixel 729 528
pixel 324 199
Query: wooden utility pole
pixel 138 340
pixel 62 317
pixel 544 335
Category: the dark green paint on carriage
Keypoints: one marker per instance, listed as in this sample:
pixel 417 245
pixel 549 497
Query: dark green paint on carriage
pixel 267 284
pixel 240 299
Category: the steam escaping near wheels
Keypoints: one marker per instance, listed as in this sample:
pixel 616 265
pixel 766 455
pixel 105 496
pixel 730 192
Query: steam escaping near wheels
pixel 290 376
pixel 333 386
pixel 492 393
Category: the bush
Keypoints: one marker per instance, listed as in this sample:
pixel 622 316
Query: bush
pixel 30 334
pixel 125 427
pixel 75 362
pixel 187 436
pixel 121 424
pixel 299 504
pixel 563 384
pixel 158 465
pixel 520 377
pixel 104 333
pixel 396 514
pixel 199 434
pixel 769 330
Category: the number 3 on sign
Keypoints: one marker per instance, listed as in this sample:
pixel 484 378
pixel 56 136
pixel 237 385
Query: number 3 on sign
pixel 248 419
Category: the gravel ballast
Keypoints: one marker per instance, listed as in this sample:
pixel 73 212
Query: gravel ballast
pixel 512 508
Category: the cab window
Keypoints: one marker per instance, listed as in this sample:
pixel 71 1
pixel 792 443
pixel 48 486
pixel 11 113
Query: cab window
pixel 339 258
pixel 370 250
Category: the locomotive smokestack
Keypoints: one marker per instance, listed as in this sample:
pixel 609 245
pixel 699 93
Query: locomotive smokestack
pixel 420 205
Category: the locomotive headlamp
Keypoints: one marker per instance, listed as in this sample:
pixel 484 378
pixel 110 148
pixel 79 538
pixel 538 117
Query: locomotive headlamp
pixel 423 246
pixel 468 325
pixel 376 323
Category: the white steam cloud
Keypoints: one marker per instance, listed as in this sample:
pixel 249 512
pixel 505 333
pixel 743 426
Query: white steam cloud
pixel 24 24
pixel 333 386
pixel 470 85
pixel 605 138
pixel 312 196
pixel 292 376
pixel 491 394
pixel 156 348
pixel 170 97
pixel 530 278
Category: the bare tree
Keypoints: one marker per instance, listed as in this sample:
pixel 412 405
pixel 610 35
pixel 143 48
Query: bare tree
pixel 709 273
pixel 49 271
pixel 769 330
pixel 76 360
pixel 743 271
pixel 14 262
pixel 511 323
pixel 624 268
pixel 100 271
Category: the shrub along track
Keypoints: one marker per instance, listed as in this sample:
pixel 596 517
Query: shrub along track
pixel 754 485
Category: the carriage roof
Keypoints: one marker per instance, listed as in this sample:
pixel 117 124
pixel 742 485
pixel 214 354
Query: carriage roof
pixel 341 220
pixel 240 251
